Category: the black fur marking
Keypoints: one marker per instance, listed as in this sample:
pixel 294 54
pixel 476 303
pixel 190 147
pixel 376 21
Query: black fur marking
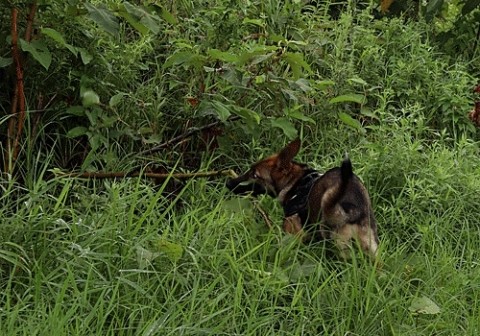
pixel 296 200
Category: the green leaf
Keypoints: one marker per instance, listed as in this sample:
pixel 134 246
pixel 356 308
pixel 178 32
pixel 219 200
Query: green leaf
pixel 141 14
pixel 358 80
pixel 134 22
pixel 324 84
pixel 77 131
pixel 256 22
pixel 286 126
pixel 5 61
pixel 39 52
pixel 57 37
pixel 114 100
pixel 222 55
pixel 76 111
pixel 348 120
pixel 96 140
pixel 297 63
pixel 257 59
pixel 178 58
pixel 104 18
pixel 424 305
pixel 247 114
pixel 349 98
pixel 303 84
pixel 300 116
pixel 90 98
pixel 167 16
pixel 221 110
pixel 85 55
pixel 173 251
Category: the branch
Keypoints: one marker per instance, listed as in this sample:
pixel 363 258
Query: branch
pixel 179 176
pixel 264 215
pixel 187 134
pixel 15 124
pixel 31 16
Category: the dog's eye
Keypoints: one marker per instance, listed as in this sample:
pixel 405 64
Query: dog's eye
pixel 255 175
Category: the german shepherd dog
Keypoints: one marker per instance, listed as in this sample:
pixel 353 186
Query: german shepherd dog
pixel 334 205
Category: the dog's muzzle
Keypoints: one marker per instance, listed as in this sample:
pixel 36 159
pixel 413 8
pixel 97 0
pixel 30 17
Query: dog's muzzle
pixel 243 186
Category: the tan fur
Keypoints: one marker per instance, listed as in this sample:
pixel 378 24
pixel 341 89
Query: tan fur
pixel 338 206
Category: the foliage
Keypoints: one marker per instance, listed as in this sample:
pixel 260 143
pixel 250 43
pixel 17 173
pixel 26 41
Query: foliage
pixel 105 80
pixel 116 257
pixel 104 74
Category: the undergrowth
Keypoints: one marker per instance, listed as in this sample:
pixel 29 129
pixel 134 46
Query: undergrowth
pixel 117 257
pixel 131 256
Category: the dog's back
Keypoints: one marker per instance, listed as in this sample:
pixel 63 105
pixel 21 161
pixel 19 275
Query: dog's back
pixel 345 211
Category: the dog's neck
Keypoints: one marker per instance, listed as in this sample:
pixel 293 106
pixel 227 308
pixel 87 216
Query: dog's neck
pixel 296 174
pixel 296 199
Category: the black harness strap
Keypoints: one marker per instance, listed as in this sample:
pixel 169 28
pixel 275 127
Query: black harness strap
pixel 296 199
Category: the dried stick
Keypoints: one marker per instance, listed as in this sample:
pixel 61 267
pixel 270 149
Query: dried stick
pixel 187 134
pixel 264 215
pixel 179 176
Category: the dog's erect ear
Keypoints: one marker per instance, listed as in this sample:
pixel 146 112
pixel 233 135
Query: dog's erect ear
pixel 287 154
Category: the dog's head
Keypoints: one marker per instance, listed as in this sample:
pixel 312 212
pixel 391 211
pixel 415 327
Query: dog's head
pixel 270 175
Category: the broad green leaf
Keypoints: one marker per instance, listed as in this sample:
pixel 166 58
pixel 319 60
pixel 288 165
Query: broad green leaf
pixel 286 126
pixel 77 131
pixel 134 22
pixel 173 251
pixel 256 22
pixel 114 100
pixel 5 61
pixel 300 116
pixel 96 140
pixel 57 37
pixel 39 52
pixel 424 305
pixel 221 110
pixel 223 55
pixel 324 84
pixel 142 20
pixel 167 16
pixel 349 98
pixel 291 94
pixel 257 59
pixel 303 84
pixel 297 63
pixel 178 58
pixel 348 120
pixel 90 98
pixel 247 114
pixel 85 55
pixel 76 110
pixel 357 80
pixel 104 18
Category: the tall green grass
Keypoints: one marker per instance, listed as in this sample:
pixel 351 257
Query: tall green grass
pixel 118 258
